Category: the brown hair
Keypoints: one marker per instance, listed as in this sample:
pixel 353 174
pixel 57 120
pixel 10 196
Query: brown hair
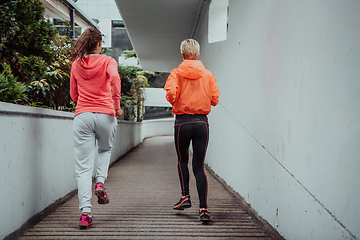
pixel 190 49
pixel 86 43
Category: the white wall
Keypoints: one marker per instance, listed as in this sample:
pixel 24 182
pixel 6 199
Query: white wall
pixel 37 165
pixel 155 97
pixel 286 134
pixel 100 9
pixel 36 162
pixel 157 127
pixel 105 29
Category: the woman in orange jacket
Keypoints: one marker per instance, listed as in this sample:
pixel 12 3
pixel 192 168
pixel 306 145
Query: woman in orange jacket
pixel 192 90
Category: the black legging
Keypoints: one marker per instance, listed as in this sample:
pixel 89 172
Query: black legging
pixel 197 130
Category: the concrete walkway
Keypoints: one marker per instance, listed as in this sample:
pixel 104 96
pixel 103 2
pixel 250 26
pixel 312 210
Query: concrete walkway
pixel 142 187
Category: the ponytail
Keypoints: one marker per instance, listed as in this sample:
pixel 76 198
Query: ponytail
pixel 86 43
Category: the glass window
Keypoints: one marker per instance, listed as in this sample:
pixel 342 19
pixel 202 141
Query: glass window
pixel 64 29
pixel 117 24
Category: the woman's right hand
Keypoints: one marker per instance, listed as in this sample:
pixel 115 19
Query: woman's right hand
pixel 118 112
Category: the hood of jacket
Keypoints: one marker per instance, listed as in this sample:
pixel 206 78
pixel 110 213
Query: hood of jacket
pixel 88 66
pixel 191 69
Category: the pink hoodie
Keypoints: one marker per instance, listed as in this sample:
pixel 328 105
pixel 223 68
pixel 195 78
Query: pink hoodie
pixel 95 84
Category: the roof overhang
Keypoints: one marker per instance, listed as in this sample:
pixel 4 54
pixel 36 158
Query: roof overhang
pixel 54 9
pixel 157 27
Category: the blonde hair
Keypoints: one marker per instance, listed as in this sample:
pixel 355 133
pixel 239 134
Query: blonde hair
pixel 86 43
pixel 190 49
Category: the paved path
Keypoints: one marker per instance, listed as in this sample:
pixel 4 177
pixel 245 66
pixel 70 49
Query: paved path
pixel 142 187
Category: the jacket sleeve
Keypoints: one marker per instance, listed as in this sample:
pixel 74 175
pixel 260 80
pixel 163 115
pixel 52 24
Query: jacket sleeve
pixel 73 85
pixel 171 87
pixel 112 71
pixel 214 92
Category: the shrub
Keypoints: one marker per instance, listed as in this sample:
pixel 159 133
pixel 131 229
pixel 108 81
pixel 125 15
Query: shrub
pixel 132 83
pixel 10 90
pixel 25 39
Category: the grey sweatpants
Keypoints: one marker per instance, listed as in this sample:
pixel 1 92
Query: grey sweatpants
pixel 89 128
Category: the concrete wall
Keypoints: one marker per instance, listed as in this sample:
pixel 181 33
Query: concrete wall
pixel 286 134
pixel 37 159
pixel 157 127
pixel 36 162
pixel 155 97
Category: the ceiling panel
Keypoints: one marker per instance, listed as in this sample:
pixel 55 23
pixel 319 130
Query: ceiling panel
pixel 156 29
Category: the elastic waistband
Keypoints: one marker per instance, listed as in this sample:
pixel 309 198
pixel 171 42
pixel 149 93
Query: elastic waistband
pixel 188 118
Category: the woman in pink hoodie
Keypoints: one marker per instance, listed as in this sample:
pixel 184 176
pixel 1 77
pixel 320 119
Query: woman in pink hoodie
pixel 95 86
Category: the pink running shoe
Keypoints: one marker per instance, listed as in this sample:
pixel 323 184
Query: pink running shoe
pixel 101 193
pixel 85 221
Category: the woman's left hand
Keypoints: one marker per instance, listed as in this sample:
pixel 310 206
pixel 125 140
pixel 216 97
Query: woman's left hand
pixel 118 112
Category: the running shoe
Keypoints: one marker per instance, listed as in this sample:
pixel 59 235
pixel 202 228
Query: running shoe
pixel 85 221
pixel 184 202
pixel 101 193
pixel 204 216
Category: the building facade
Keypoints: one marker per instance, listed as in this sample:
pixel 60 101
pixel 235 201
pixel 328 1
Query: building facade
pixel 67 17
pixel 107 16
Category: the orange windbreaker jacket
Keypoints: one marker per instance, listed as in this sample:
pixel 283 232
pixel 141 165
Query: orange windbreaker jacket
pixel 191 89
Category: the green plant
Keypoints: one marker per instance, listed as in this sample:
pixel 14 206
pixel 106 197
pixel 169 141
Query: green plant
pixel 52 89
pixel 129 53
pixel 140 83
pixel 10 90
pixel 105 49
pixel 31 67
pixel 25 39
pixel 36 92
pixel 58 74
pixel 133 82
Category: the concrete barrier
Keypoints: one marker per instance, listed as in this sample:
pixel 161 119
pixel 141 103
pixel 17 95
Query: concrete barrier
pixel 157 127
pixel 37 159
